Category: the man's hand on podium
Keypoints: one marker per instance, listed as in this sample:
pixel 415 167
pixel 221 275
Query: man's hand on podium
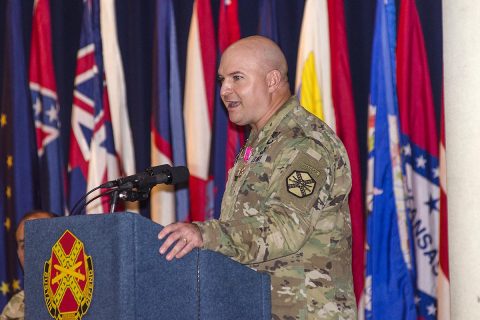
pixel 184 237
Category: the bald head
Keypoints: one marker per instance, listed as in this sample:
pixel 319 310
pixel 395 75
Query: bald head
pixel 253 77
pixel 266 53
pixel 20 233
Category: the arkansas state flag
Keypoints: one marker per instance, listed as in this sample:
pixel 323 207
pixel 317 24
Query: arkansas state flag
pixel 420 155
pixel 43 91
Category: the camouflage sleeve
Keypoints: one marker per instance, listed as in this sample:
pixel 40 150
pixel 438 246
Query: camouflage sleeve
pixel 299 185
pixel 15 308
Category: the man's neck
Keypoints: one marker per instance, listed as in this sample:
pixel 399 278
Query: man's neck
pixel 278 100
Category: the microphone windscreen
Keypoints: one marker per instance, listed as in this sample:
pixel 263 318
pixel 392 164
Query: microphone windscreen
pixel 180 174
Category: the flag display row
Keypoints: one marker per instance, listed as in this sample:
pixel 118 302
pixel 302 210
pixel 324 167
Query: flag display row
pixel 398 234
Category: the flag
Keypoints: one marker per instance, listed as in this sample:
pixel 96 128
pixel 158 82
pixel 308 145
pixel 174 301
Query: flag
pixel 313 77
pixel 228 137
pixel 17 149
pixel 419 144
pixel 346 130
pixel 117 94
pixel 43 91
pixel 268 26
pixel 388 283
pixel 323 83
pixel 198 108
pixel 92 159
pixel 167 137
pixel 443 288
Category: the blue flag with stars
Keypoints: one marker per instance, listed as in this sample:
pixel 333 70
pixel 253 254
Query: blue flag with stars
pixel 420 150
pixel 388 275
pixel 17 150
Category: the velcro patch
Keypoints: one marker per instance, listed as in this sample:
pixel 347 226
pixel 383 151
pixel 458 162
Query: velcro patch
pixel 300 184
pixel 302 180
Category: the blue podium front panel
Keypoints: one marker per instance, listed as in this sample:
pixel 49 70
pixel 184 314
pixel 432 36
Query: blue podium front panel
pixel 108 267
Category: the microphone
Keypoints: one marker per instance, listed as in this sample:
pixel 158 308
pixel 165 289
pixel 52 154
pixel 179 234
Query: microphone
pixel 151 177
pixel 163 175
pixel 136 186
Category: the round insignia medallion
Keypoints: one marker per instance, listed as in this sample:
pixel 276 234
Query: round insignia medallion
pixel 300 184
pixel 68 279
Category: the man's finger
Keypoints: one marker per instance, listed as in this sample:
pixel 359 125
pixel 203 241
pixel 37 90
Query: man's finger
pixel 173 237
pixel 168 229
pixel 177 248
pixel 186 249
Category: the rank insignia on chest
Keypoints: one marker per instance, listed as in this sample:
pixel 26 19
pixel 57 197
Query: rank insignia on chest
pixel 239 171
pixel 300 184
pixel 68 279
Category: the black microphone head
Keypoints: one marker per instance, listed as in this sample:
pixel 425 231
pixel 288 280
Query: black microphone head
pixel 179 175
pixel 163 168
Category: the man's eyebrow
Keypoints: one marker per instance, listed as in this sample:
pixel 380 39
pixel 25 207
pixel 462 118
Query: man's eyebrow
pixel 234 73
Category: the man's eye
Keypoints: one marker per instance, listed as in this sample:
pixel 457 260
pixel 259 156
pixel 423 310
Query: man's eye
pixel 237 77
pixel 220 79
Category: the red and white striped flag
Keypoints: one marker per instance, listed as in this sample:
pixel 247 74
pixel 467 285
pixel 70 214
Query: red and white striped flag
pixel 198 108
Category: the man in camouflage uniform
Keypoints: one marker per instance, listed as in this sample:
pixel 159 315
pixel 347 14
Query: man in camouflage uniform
pixel 285 207
pixel 15 308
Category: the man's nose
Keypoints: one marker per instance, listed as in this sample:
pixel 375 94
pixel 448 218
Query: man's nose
pixel 225 89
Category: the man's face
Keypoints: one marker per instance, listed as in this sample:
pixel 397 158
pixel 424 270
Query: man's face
pixel 20 237
pixel 20 234
pixel 244 89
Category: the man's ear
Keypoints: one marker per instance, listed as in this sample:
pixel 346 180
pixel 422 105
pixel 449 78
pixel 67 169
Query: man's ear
pixel 274 79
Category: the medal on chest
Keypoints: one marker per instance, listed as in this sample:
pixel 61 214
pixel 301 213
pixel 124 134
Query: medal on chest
pixel 246 153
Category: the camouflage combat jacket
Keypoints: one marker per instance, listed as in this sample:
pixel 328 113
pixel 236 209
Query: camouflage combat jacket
pixel 285 212
pixel 15 308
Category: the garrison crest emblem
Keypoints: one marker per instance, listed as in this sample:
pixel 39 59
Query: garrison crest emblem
pixel 68 279
pixel 300 184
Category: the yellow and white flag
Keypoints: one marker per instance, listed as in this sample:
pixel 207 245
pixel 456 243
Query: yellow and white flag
pixel 313 76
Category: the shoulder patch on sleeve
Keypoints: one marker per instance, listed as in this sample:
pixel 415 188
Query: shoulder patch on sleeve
pixel 300 184
pixel 302 180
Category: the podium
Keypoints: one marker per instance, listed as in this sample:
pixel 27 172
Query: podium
pixel 108 267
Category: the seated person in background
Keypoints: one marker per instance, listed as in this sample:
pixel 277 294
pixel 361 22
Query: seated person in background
pixel 15 308
pixel 285 207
